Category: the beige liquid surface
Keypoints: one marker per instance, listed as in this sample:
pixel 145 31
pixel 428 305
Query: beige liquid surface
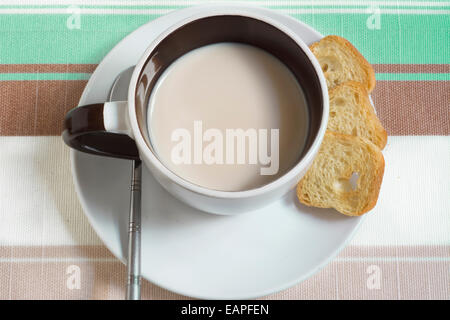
pixel 228 86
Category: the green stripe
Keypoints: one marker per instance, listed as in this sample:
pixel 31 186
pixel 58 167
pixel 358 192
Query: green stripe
pixel 403 39
pixel 168 6
pixel 413 76
pixel 293 3
pixel 43 76
pixel 275 6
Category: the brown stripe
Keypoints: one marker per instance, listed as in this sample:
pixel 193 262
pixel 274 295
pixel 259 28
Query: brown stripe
pixel 338 280
pixel 404 107
pixel 47 68
pixel 413 107
pixel 48 280
pixel 398 280
pixel 81 251
pixel 419 251
pixel 411 68
pixel 101 252
pixel 89 68
pixel 32 108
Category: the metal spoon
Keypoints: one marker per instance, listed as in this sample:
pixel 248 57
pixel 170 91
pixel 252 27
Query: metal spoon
pixel 134 236
pixel 118 92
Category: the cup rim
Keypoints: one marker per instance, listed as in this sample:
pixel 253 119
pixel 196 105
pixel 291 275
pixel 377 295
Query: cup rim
pixel 302 164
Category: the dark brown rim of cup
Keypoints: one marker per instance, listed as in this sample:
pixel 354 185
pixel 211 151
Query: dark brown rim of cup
pixel 230 28
pixel 253 30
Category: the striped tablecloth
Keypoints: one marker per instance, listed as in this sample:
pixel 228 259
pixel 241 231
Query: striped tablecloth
pixel 49 48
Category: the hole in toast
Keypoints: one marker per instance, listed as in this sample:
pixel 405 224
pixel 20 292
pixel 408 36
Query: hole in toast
pixel 330 64
pixel 354 180
pixel 347 185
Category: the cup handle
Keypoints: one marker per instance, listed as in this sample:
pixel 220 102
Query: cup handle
pixel 102 129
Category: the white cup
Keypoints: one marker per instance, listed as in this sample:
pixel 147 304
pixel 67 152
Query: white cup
pixel 119 129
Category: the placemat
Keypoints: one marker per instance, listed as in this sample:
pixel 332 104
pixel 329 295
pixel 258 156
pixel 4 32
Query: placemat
pixel 49 48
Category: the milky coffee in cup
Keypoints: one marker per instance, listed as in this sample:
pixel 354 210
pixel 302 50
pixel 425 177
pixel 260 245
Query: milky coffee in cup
pixel 229 117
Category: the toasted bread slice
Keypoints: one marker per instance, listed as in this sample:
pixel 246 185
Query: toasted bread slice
pixel 341 62
pixel 329 183
pixel 352 113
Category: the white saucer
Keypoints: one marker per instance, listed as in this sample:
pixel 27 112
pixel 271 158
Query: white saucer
pixel 191 252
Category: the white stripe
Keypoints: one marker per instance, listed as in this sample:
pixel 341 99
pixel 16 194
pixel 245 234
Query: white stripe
pixel 414 204
pixel 38 204
pixel 195 2
pixel 164 11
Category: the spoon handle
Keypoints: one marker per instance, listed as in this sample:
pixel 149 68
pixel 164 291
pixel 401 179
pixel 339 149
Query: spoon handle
pixel 134 236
